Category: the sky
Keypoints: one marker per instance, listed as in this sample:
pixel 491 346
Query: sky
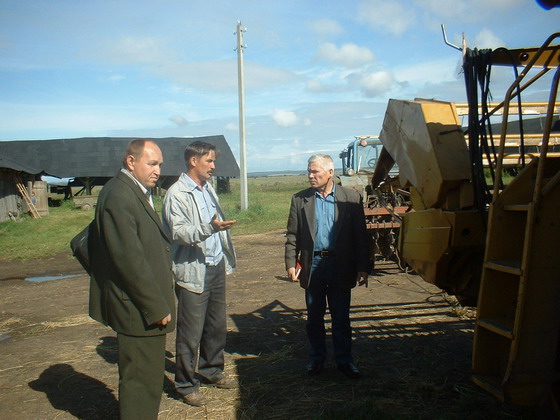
pixel 316 72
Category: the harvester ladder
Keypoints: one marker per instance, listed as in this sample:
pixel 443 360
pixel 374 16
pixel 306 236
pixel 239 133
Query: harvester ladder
pixel 23 191
pixel 518 317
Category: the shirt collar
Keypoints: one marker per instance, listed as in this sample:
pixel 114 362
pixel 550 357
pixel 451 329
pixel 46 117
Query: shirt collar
pixel 191 185
pixel 129 174
pixel 318 194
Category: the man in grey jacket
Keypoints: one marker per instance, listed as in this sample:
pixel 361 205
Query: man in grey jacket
pixel 202 255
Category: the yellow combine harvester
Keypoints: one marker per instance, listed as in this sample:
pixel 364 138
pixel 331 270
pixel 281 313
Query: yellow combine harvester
pixel 384 206
pixel 493 240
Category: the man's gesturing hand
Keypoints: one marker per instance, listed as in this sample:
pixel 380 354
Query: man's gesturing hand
pixel 222 225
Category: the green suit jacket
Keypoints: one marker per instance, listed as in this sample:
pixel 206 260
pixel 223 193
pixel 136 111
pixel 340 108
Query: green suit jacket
pixel 131 280
pixel 351 242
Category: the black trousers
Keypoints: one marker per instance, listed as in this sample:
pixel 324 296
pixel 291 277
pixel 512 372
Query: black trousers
pixel 141 375
pixel 324 288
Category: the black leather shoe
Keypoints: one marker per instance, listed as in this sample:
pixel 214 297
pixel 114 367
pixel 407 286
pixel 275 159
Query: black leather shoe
pixel 350 370
pixel 314 367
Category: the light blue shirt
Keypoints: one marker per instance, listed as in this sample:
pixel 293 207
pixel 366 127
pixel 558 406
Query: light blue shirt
pixel 207 209
pixel 324 221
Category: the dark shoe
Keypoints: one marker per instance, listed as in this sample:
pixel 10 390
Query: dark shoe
pixel 314 367
pixel 350 370
pixel 225 383
pixel 196 399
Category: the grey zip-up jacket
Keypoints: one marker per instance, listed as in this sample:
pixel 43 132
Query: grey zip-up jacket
pixel 183 223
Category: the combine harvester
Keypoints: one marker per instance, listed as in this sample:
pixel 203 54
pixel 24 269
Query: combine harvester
pixel 486 221
pixel 384 205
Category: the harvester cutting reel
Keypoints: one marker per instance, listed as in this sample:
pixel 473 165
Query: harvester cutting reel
pixel 385 207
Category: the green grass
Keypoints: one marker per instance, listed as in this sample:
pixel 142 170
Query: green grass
pixel 37 238
pixel 269 202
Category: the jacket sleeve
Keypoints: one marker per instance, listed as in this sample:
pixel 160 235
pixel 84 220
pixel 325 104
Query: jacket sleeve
pixel 292 247
pixel 181 219
pixel 362 239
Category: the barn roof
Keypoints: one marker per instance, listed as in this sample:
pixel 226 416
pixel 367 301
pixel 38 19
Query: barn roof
pixel 8 163
pixel 101 157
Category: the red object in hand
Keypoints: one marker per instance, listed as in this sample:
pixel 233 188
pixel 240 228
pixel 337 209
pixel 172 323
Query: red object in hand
pixel 298 268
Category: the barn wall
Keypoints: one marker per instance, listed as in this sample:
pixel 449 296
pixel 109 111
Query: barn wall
pixel 10 198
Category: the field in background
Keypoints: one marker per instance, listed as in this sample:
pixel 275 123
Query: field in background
pixel 269 202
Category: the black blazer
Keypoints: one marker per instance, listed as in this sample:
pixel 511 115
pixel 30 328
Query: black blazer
pixel 351 243
pixel 131 281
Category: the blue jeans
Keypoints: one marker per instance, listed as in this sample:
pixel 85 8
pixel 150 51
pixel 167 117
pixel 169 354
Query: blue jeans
pixel 324 288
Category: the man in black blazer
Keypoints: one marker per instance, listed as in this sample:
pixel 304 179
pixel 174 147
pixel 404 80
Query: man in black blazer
pixel 327 250
pixel 131 287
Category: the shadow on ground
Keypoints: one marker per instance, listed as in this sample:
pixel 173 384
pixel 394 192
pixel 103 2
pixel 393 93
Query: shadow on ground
pixel 77 393
pixel 415 362
pixel 414 357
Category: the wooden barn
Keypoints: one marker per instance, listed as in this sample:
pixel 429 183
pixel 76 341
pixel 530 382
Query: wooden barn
pixel 16 181
pixel 92 161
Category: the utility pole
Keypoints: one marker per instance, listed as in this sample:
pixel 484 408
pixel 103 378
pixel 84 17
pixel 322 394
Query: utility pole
pixel 242 152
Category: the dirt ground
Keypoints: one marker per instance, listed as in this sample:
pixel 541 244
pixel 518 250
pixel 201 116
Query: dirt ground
pixel 412 347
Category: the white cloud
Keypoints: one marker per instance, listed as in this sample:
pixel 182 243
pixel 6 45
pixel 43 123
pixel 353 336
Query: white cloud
pixel 221 76
pixel 116 78
pixel 179 120
pixel 315 86
pixel 231 127
pixel 448 9
pixel 284 118
pixel 213 75
pixel 485 6
pixel 261 77
pixel 178 89
pixel 372 84
pixel 82 119
pixel 326 27
pixel 137 50
pixel 349 55
pixel 433 71
pixel 487 39
pixel 465 10
pixel 386 16
pixel 298 160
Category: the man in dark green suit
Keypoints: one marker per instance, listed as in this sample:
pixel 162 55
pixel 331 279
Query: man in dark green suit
pixel 131 281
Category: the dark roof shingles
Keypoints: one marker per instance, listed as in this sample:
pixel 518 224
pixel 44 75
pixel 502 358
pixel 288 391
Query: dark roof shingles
pixel 101 156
